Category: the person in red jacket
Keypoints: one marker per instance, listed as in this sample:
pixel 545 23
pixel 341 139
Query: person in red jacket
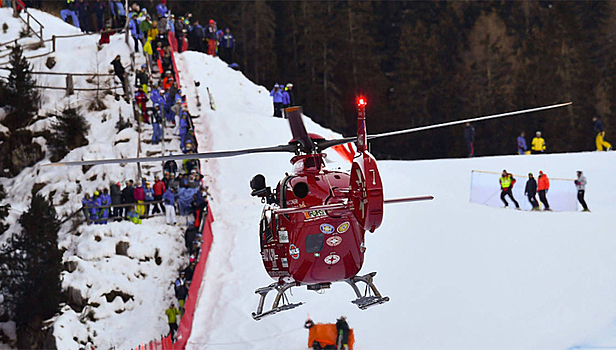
pixel 543 185
pixel 506 184
pixel 159 190
pixel 142 98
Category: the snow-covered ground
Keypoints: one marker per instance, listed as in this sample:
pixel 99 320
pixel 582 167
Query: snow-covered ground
pixel 137 316
pixel 459 275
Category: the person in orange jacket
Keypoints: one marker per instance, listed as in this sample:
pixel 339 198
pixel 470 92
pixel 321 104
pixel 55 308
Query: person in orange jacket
pixel 543 185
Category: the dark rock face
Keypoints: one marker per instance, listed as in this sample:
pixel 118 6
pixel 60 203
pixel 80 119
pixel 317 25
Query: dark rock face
pixel 122 248
pixel 19 152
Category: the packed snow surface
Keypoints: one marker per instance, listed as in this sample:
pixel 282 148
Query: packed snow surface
pixel 459 275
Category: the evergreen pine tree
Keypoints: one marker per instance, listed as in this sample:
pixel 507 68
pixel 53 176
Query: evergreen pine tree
pixel 18 95
pixel 68 132
pixel 30 267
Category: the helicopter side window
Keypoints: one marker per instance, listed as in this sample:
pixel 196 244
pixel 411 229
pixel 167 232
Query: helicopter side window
pixel 265 229
pixel 314 243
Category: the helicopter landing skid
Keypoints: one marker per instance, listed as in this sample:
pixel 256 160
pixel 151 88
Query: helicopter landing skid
pixel 280 297
pixel 371 295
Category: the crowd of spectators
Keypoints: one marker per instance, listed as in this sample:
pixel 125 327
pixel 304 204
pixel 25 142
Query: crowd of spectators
pixel 183 194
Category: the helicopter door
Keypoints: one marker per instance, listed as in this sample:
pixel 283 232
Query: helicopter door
pixel 266 234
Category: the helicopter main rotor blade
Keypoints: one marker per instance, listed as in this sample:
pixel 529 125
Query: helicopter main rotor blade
pixel 204 155
pixel 323 144
pixel 408 199
pixel 316 207
pixel 340 206
pixel 298 129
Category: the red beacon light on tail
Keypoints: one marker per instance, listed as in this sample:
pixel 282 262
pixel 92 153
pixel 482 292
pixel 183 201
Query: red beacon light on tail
pixel 361 102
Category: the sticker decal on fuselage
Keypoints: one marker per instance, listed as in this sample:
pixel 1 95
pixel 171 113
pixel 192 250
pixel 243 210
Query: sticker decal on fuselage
pixel 343 227
pixel 334 241
pixel 294 251
pixel 331 259
pixel 327 229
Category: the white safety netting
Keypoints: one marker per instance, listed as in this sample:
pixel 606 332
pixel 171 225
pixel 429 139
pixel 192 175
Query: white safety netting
pixel 485 189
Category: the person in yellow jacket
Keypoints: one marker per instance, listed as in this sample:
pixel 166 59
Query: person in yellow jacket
pixel 506 183
pixel 172 317
pixel 537 146
pixel 599 140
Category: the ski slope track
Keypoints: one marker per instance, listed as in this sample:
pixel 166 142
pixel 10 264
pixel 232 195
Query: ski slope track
pixel 459 275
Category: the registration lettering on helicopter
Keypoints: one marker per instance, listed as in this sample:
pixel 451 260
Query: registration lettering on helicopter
pixel 314 214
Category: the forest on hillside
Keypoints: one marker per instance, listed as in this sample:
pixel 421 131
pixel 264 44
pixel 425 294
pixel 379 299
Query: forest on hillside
pixel 421 63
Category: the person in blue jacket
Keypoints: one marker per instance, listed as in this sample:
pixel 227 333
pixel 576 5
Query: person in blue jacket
pixel 86 203
pixel 95 206
pixel 286 99
pixel 69 10
pixel 161 9
pixel 183 129
pixel 157 133
pixel 276 94
pixel 135 32
pixel 169 201
pixel 522 148
pixel 118 13
pixel 105 202
pixel 227 46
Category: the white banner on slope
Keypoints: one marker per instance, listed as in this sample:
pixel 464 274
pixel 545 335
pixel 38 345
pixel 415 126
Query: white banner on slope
pixel 485 189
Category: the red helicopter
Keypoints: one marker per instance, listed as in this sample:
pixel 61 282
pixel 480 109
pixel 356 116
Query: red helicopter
pixel 313 224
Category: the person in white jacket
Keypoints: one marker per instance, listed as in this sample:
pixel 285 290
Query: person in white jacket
pixel 580 184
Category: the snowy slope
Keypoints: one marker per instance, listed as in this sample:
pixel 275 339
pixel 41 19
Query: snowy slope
pixel 459 275
pixel 100 271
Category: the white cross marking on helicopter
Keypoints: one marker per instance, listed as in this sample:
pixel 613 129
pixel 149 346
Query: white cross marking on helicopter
pixel 332 259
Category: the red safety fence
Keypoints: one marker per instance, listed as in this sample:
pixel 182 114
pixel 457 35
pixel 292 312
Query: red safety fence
pixel 186 322
pixel 173 42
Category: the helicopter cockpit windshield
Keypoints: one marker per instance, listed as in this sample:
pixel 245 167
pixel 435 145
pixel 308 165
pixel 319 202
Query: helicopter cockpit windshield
pixel 309 163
